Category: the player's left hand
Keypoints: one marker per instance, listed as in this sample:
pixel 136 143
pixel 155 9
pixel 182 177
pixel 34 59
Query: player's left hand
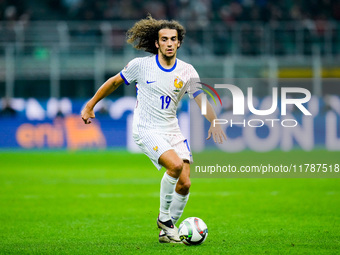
pixel 217 133
pixel 87 114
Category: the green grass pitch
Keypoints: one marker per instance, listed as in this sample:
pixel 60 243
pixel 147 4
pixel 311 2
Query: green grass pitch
pixel 106 202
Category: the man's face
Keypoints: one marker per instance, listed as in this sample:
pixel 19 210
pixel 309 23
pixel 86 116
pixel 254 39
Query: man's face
pixel 167 43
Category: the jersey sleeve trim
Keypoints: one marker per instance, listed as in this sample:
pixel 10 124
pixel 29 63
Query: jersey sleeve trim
pixel 197 93
pixel 164 69
pixel 125 80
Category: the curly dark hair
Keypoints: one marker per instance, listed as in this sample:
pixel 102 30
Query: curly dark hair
pixel 145 32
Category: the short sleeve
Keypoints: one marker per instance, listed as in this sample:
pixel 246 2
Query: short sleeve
pixel 130 71
pixel 194 87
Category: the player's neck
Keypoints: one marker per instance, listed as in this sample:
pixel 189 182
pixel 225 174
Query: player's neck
pixel 166 62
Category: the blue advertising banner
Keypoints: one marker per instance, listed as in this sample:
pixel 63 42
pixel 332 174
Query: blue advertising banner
pixel 56 124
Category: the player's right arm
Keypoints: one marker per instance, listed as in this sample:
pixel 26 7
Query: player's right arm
pixel 106 89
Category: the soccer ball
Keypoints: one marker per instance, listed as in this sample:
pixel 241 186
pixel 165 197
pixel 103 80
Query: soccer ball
pixel 193 231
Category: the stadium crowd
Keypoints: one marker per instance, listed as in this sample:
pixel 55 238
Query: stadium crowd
pixel 201 11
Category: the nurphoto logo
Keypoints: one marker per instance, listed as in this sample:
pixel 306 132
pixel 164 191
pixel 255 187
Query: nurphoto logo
pixel 238 103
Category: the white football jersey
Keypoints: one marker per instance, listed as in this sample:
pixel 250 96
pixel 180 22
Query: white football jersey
pixel 159 91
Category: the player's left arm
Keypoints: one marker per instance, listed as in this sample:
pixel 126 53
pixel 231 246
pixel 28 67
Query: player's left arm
pixel 215 130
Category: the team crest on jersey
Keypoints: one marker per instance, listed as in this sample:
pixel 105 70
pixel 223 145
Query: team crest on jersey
pixel 178 83
pixel 155 148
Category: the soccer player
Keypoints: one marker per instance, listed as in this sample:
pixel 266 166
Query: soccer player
pixel 161 81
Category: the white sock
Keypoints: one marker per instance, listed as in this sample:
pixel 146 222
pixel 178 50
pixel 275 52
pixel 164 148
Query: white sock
pixel 168 185
pixel 177 206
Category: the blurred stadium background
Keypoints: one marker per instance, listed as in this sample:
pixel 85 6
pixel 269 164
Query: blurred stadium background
pixel 54 55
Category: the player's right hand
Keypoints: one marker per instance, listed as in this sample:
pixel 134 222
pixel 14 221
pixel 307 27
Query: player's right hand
pixel 87 114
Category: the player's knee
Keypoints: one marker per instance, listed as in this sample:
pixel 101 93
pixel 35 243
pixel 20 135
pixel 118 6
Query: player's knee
pixel 175 169
pixel 184 187
pixel 177 166
pixel 187 185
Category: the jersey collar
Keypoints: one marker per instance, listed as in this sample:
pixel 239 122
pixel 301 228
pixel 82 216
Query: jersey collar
pixel 164 69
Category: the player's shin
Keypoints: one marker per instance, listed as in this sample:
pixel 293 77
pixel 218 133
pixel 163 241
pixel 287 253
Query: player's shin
pixel 168 185
pixel 177 206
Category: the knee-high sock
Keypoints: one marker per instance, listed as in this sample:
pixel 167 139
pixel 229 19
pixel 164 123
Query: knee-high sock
pixel 177 206
pixel 168 185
